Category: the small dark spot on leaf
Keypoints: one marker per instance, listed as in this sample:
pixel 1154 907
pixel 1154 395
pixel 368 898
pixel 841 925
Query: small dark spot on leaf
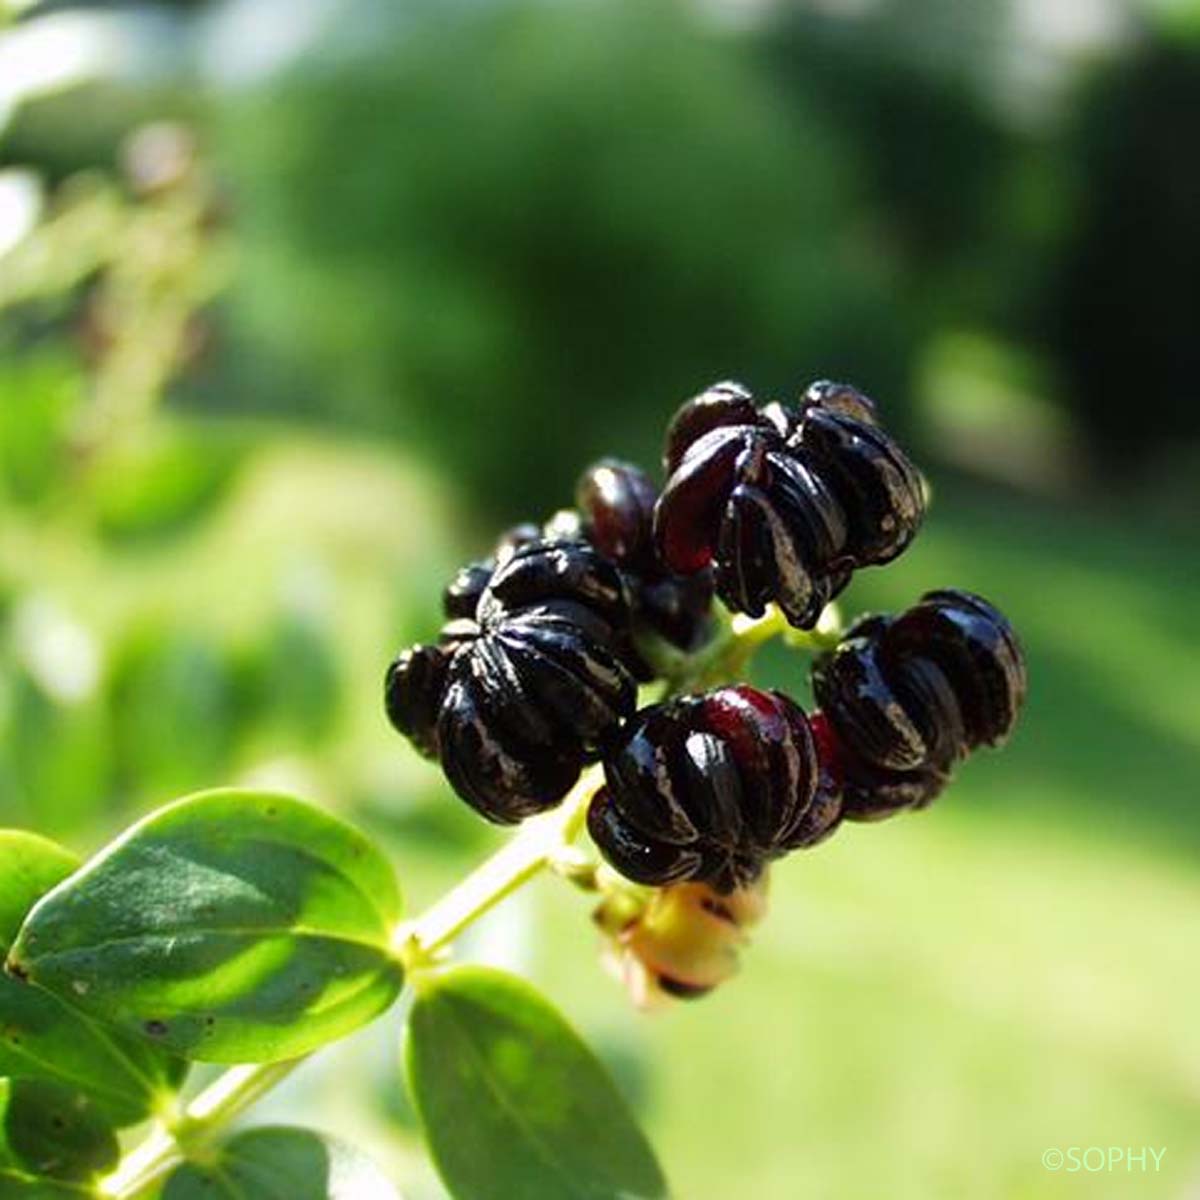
pixel 156 1028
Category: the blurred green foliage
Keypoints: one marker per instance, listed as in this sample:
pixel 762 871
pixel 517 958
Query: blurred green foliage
pixel 580 212
pixel 1120 315
pixel 37 395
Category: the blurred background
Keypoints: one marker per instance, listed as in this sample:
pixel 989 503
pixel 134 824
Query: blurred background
pixel 301 301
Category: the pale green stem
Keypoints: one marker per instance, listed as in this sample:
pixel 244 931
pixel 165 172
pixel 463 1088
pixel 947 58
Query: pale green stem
pixel 540 843
pixel 540 840
pixel 220 1103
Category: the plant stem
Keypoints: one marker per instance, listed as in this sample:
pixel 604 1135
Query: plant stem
pixel 225 1099
pixel 513 865
pixel 537 845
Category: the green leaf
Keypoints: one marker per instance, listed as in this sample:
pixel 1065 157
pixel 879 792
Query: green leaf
pixel 232 926
pixel 281 1164
pixel 43 1037
pixel 55 1131
pixel 513 1102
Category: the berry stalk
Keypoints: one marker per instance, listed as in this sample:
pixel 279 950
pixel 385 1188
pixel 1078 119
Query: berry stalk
pixel 539 841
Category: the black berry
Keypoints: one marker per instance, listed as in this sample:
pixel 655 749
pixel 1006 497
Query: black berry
pixel 413 691
pixel 905 698
pixel 521 693
pixel 709 788
pixel 784 502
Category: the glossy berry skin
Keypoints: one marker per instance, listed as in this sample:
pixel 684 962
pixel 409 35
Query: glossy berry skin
pixel 519 695
pixel 460 598
pixel 615 515
pixel 615 512
pixel 709 788
pixel 904 699
pixel 616 502
pixel 784 502
pixel 413 692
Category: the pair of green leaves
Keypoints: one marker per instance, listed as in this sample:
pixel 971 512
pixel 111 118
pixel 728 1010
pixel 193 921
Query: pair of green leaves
pixel 240 926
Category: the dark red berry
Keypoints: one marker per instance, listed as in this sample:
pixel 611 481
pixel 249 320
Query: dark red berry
pixel 616 502
pixel 513 538
pixel 785 503
pixel 874 481
pixel 518 697
pixel 824 814
pixel 873 794
pixel 706 788
pixel 819 821
pixel 461 595
pixel 861 704
pixel 722 404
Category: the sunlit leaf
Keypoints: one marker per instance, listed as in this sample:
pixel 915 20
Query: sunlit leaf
pixel 231 926
pixel 44 1037
pixel 513 1102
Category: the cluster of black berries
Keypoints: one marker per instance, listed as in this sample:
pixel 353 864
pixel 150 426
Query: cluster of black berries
pixel 536 670
pixel 538 662
pixel 786 503
pixel 520 693
pixel 713 787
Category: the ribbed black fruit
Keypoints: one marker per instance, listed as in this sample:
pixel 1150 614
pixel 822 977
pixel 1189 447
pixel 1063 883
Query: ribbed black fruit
pixel 520 693
pixel 785 503
pixel 906 698
pixel 710 788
